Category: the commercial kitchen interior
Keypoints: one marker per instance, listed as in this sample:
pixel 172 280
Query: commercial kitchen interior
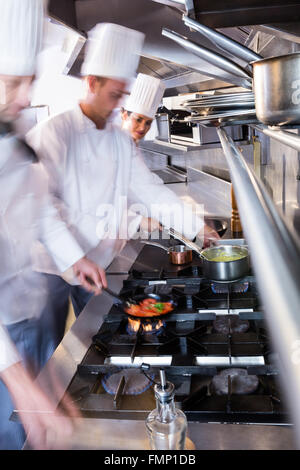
pixel 198 162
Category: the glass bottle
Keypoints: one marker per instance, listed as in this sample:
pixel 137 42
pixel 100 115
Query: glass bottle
pixel 166 425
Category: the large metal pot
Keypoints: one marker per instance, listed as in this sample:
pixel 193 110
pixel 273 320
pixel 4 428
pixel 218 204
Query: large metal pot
pixel 224 271
pixel 276 86
pixel 275 80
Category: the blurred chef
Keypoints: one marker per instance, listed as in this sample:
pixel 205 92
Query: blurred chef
pixel 88 162
pixel 26 213
pixel 94 167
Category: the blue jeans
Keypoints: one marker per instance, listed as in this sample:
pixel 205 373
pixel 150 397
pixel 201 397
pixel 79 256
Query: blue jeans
pixel 33 349
pixel 36 340
pixel 55 313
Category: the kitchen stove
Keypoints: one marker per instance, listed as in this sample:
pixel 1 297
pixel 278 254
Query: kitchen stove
pixel 215 327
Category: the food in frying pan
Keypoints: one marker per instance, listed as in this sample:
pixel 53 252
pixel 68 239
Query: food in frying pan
pixel 149 308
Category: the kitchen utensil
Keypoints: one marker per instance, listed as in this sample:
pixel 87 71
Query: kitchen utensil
pixel 224 271
pixel 221 108
pixel 276 83
pixel 178 254
pixel 125 304
pixel 231 118
pixel 129 301
pixel 220 271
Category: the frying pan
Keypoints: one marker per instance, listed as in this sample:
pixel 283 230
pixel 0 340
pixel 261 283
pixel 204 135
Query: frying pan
pixel 275 83
pixel 136 299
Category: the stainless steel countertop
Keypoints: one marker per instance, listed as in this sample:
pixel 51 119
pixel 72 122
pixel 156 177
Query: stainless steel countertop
pixel 128 435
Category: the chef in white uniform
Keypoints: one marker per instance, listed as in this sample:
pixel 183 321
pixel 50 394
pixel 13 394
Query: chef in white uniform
pixel 137 118
pixel 94 168
pixel 140 107
pixel 26 213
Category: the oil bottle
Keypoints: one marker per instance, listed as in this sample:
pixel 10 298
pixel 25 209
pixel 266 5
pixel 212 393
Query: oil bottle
pixel 166 425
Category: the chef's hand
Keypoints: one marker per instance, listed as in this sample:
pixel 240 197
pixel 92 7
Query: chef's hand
pixel 150 225
pixel 45 427
pixel 210 236
pixel 91 276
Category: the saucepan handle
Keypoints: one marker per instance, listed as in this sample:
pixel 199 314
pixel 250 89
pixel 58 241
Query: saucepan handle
pixel 155 244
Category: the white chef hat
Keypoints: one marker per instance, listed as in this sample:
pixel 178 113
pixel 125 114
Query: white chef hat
pixel 113 51
pixel 145 96
pixel 21 29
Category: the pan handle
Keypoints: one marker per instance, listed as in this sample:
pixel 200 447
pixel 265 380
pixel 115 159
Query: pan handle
pixel 223 42
pixel 155 244
pixel 113 294
pixel 193 246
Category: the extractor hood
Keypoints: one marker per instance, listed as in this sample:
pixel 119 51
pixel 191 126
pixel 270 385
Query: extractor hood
pixel 181 70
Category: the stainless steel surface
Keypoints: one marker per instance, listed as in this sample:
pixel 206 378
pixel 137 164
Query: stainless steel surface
pixel 112 434
pixel 230 311
pixel 287 31
pixel 171 175
pixel 225 118
pixel 225 270
pixel 235 73
pixel 208 189
pixel 285 137
pixel 219 14
pixel 275 81
pixel 275 256
pixel 163 126
pixel 220 40
pixel 233 361
pixel 276 88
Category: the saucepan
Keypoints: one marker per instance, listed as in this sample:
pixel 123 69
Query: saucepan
pixel 178 254
pixel 181 254
pixel 221 263
pixel 275 80
pixel 225 263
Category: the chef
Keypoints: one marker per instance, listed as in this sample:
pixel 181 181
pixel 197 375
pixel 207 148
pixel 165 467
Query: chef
pixel 138 115
pixel 26 213
pixel 104 187
pixel 141 106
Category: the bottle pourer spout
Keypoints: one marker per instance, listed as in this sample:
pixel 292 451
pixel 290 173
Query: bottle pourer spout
pixel 163 380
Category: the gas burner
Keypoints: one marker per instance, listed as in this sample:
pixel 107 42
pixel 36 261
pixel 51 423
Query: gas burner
pixel 234 382
pixel 145 326
pixel 232 288
pixel 132 381
pixel 226 324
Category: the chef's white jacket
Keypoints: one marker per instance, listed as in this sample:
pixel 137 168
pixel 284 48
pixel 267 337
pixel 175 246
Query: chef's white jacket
pixel 26 214
pixel 91 168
